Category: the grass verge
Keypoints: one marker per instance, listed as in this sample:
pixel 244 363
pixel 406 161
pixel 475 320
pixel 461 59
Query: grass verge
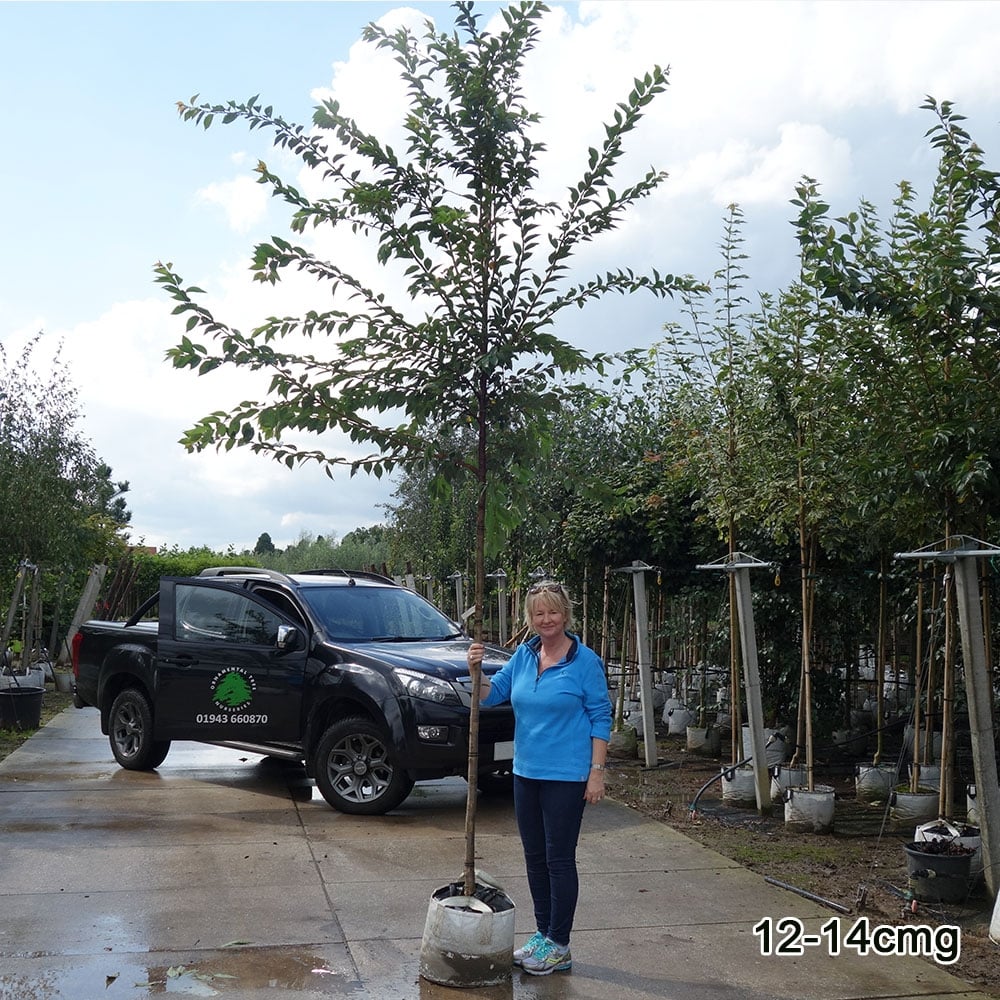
pixel 53 702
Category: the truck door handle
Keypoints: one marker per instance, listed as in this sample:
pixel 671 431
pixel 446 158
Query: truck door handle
pixel 183 660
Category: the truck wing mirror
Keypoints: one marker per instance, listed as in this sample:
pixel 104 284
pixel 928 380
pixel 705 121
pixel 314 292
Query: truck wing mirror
pixel 290 638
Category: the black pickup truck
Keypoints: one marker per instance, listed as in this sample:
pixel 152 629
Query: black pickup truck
pixel 361 680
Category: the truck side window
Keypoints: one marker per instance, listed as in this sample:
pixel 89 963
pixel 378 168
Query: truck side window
pixel 207 615
pixel 282 603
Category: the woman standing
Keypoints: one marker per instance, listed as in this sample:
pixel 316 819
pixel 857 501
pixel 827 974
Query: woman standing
pixel 559 693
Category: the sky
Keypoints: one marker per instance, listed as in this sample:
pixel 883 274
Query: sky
pixel 100 179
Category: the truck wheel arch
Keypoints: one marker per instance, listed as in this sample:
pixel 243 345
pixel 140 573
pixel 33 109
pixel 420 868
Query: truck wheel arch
pixel 112 686
pixel 369 695
pixel 329 712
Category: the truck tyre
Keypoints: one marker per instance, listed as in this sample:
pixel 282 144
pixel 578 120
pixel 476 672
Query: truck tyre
pixel 356 772
pixel 499 782
pixel 130 730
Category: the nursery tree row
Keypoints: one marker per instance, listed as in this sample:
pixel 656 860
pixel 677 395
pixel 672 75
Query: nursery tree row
pixel 823 427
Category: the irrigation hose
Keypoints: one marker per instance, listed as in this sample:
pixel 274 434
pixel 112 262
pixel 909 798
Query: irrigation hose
pixel 807 895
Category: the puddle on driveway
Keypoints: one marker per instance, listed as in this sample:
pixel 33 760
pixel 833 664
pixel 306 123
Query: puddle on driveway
pixel 243 969
pixel 243 974
pixel 240 972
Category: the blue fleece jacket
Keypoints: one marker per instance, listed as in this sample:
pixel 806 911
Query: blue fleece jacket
pixel 557 713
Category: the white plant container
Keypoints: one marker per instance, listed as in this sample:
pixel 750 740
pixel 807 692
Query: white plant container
pixel 739 786
pixel 810 810
pixel 34 677
pixel 908 809
pixel 776 748
pixel 875 782
pixel 466 942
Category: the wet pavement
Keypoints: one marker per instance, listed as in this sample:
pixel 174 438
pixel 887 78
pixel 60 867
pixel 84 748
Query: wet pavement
pixel 224 874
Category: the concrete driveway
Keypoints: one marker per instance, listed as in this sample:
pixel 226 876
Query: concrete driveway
pixel 222 874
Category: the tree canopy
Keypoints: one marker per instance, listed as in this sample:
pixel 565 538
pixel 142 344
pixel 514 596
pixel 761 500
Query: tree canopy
pixel 61 506
pixel 469 341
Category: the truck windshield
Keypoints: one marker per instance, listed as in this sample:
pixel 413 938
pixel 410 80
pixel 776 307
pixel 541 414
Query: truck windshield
pixel 360 614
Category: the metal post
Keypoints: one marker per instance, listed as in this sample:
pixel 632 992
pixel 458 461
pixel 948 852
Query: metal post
pixel 739 565
pixel 977 689
pixel 22 572
pixel 645 666
pixel 962 552
pixel 751 680
pixel 638 571
pixel 459 602
pixel 501 578
pixel 84 609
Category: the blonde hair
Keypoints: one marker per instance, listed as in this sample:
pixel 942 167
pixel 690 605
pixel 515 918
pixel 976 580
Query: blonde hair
pixel 549 594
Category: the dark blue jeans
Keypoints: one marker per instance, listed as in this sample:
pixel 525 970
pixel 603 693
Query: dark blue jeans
pixel 549 814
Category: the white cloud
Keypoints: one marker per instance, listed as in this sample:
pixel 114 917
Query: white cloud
pixel 756 175
pixel 242 198
pixel 367 83
pixel 892 54
pixel 760 94
pixel 135 408
pixel 228 499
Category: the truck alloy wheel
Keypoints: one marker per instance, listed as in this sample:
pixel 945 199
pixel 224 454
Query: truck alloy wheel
pixel 130 730
pixel 355 769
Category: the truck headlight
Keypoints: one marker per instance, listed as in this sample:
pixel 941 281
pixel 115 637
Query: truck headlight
pixel 427 688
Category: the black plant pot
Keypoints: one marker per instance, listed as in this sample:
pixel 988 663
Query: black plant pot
pixel 21 708
pixel 939 872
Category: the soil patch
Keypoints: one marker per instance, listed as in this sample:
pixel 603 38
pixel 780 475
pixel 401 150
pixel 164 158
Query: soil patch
pixel 860 865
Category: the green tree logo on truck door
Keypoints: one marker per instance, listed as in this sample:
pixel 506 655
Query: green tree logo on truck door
pixel 233 689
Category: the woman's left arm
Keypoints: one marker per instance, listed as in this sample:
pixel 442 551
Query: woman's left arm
pixel 595 780
pixel 597 705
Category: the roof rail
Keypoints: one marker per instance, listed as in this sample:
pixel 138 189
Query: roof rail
pixel 360 573
pixel 271 574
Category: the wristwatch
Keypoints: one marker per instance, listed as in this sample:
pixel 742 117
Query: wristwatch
pixel 597 767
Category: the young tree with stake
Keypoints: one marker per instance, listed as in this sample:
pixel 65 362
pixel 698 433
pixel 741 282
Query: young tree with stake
pixel 487 271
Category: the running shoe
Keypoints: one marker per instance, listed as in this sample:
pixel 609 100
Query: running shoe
pixel 529 947
pixel 547 958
